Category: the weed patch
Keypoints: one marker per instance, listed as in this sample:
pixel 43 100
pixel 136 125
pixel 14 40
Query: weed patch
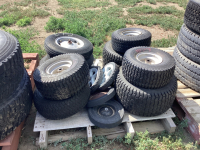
pixel 169 42
pixel 24 36
pixel 24 22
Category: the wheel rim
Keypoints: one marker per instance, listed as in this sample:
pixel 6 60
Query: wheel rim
pixel 93 75
pixel 69 42
pixel 107 71
pixel 58 67
pixel 131 33
pixel 106 111
pixel 149 58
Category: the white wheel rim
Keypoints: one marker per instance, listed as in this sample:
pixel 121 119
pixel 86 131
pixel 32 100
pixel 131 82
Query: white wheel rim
pixel 131 33
pixel 58 67
pixel 149 58
pixel 93 76
pixel 69 42
pixel 107 71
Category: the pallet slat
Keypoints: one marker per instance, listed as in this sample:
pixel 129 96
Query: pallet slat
pixel 184 93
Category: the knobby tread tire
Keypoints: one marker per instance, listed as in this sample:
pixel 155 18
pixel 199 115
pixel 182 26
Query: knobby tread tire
pixel 56 110
pixel 192 15
pixel 145 102
pixel 53 49
pixel 186 65
pixel 90 61
pixel 105 121
pixel 45 58
pixel 65 84
pixel 121 43
pixel 16 108
pixel 109 55
pixel 11 65
pixel 145 75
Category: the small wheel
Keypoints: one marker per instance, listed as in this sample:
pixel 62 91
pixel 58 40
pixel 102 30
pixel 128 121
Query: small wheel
pixel 62 43
pixel 126 38
pixel 110 72
pixel 96 76
pixel 62 76
pixel 100 98
pixel 148 67
pixel 108 115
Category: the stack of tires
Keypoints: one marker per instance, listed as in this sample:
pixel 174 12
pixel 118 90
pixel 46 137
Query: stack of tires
pixel 62 43
pixel 146 85
pixel 121 41
pixel 62 86
pixel 15 86
pixel 187 52
pixel 103 110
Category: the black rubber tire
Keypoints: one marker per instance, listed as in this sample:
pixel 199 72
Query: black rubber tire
pixel 56 110
pixel 53 49
pixel 111 79
pixel 107 121
pixel 16 108
pixel 98 79
pixel 189 67
pixel 65 84
pixel 45 58
pixel 90 61
pixel 110 93
pixel 109 55
pixel 142 101
pixel 192 15
pixel 11 65
pixel 145 75
pixel 121 43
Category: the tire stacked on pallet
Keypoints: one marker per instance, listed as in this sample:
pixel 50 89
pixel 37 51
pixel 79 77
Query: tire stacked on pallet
pixel 121 41
pixel 146 85
pixel 187 52
pixel 62 86
pixel 15 86
pixel 62 43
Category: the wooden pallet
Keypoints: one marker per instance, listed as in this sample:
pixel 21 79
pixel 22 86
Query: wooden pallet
pixel 190 104
pixel 32 65
pixel 131 123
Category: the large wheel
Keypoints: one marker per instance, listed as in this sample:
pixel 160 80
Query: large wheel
pixel 16 108
pixel 45 58
pixel 90 61
pixel 109 55
pixel 62 76
pixel 192 17
pixel 56 110
pixel 62 43
pixel 142 101
pixel 126 38
pixel 148 67
pixel 11 65
pixel 108 115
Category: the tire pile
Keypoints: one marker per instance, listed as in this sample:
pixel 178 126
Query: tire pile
pixel 15 86
pixel 187 52
pixel 146 85
pixel 121 41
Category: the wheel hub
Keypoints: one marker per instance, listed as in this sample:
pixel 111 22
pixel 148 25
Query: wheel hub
pixel 149 58
pixel 58 67
pixel 93 75
pixel 107 71
pixel 69 42
pixel 131 33
pixel 106 111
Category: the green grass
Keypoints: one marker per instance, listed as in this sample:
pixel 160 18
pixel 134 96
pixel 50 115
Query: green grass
pixel 80 4
pixel 24 22
pixel 128 3
pixel 93 25
pixel 24 36
pixel 170 10
pixel 181 3
pixel 33 2
pixel 169 42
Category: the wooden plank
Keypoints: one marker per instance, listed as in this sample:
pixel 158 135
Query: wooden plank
pixel 181 85
pixel 182 93
pixel 193 109
pixel 30 56
pixel 43 139
pixel 151 126
pixel 196 117
pixel 169 124
pixel 89 134
pixel 81 120
pixel 129 128
pixel 186 103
